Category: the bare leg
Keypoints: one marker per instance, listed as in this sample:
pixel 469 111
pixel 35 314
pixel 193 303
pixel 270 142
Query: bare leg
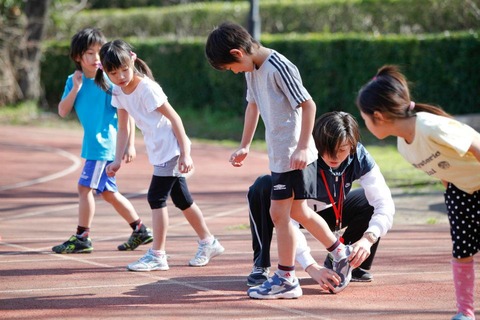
pixel 286 241
pixel 86 206
pixel 195 217
pixel 314 224
pixel 122 205
pixel 160 223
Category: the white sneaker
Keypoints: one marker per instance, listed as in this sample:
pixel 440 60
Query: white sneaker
pixel 205 253
pixel 149 262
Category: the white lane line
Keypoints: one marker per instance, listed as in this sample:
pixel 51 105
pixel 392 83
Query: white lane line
pixel 76 161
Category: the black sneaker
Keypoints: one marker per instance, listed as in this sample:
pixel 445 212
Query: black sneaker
pixel 360 275
pixel 328 263
pixel 258 276
pixel 74 245
pixel 137 238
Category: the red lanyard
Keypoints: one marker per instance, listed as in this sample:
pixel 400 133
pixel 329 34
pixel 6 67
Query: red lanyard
pixel 338 208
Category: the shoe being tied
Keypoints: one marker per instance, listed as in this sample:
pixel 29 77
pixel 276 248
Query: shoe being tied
pixel 361 275
pixel 461 316
pixel 343 269
pixel 150 262
pixel 74 245
pixel 276 288
pixel 206 252
pixel 258 276
pixel 136 239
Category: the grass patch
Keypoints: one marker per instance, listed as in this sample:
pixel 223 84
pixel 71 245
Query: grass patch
pixel 213 127
pixel 28 113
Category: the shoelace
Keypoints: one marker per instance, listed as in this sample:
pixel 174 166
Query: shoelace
pixel 201 251
pixel 258 269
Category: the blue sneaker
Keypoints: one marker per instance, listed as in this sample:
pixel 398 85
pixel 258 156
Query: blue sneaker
pixel 344 270
pixel 461 316
pixel 276 288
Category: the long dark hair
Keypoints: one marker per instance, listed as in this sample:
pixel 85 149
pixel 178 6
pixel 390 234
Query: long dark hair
pixel 389 94
pixel 332 129
pixel 116 54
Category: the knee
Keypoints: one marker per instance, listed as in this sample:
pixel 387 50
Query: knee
pixel 156 202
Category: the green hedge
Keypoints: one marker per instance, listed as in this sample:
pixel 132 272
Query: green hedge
pixel 279 16
pixel 443 68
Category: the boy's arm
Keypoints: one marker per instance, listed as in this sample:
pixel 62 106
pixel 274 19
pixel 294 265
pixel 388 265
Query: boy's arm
pixel 122 139
pixel 185 162
pixel 299 156
pixel 250 125
pixel 66 105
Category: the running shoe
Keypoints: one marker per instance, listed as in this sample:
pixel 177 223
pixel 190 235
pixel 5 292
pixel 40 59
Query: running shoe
pixel 461 316
pixel 150 262
pixel 206 252
pixel 358 274
pixel 344 270
pixel 74 245
pixel 361 275
pixel 137 238
pixel 258 276
pixel 276 288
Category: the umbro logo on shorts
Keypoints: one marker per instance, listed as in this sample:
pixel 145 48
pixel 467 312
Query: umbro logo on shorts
pixel 279 187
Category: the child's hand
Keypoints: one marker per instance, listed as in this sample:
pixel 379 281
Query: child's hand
pixel 236 159
pixel 326 278
pixel 112 169
pixel 298 161
pixel 185 164
pixel 77 80
pixel 130 154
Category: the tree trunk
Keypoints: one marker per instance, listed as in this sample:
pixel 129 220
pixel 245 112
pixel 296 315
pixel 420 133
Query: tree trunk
pixel 27 57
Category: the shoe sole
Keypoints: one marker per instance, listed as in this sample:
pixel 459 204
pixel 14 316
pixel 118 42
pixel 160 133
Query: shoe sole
pixel 78 251
pixel 147 270
pixel 293 294
pixel 203 265
pixel 360 280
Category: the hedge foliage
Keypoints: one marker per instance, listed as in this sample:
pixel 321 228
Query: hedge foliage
pixel 337 45
pixel 444 69
pixel 280 16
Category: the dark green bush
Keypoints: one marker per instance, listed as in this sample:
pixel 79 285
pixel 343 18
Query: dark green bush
pixel 281 16
pixel 443 68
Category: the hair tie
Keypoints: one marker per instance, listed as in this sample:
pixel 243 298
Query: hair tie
pixel 374 78
pixel 99 65
pixel 411 106
pixel 133 55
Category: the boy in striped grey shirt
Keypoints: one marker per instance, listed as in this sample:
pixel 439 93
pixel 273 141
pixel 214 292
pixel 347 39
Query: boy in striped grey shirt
pixel 275 91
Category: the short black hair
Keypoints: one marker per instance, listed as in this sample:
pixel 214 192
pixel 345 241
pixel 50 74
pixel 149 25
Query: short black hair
pixel 83 40
pixel 224 38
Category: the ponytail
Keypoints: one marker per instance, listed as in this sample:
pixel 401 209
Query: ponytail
pixel 389 94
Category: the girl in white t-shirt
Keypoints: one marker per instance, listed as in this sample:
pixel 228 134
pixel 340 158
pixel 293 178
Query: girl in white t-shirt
pixel 137 94
pixel 432 141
